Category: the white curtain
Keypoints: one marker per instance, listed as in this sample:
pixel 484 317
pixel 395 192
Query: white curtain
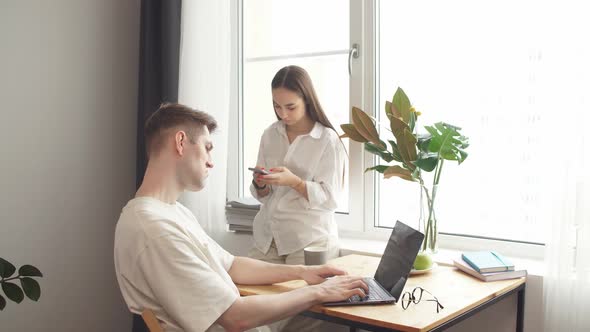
pixel 205 85
pixel 567 280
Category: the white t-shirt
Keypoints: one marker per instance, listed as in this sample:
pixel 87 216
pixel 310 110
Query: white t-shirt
pixel 294 222
pixel 165 262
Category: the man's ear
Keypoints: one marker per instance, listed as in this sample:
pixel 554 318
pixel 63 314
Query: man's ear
pixel 180 140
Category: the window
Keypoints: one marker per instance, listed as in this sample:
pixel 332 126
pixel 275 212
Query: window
pixel 492 72
pixel 488 72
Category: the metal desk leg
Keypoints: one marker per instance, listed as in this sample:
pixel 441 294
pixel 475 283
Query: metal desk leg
pixel 520 311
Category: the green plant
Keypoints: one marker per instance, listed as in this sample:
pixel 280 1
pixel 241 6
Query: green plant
pixel 410 151
pixel 29 285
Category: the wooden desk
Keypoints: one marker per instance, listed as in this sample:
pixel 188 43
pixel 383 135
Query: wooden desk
pixel 460 294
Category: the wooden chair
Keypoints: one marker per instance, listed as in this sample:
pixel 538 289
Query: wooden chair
pixel 151 321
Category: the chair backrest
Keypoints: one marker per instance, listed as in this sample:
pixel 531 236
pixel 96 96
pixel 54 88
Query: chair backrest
pixel 151 321
pixel 138 324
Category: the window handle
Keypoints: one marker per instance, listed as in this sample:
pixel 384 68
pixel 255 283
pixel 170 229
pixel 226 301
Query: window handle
pixel 352 53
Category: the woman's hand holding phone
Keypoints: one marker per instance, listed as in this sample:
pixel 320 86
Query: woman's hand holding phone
pixel 257 173
pixel 281 176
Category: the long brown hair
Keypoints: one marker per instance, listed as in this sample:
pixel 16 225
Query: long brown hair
pixel 296 79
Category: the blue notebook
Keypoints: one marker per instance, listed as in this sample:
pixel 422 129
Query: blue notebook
pixel 487 261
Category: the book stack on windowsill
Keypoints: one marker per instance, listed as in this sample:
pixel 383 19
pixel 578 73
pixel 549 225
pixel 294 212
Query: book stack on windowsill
pixel 488 266
pixel 240 214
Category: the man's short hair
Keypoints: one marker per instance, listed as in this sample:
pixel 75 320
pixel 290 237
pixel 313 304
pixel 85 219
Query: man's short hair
pixel 174 115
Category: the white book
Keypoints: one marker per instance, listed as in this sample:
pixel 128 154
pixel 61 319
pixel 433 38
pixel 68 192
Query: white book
pixel 240 221
pixel 245 203
pixel 490 276
pixel 240 212
pixel 240 228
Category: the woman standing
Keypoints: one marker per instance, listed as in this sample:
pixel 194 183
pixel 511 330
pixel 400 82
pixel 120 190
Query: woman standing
pixel 306 160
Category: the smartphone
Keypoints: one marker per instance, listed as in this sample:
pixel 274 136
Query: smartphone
pixel 259 171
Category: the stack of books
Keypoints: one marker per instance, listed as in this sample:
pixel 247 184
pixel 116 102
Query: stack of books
pixel 488 266
pixel 240 214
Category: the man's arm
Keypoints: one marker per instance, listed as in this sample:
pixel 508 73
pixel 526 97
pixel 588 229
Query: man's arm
pixel 248 271
pixel 252 311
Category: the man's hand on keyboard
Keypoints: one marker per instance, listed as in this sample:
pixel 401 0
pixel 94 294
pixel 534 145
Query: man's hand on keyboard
pixel 341 288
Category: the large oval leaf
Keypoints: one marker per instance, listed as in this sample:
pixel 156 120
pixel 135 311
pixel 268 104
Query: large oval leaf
pixel 411 144
pixel 412 121
pixel 374 149
pixel 401 105
pixel 423 142
pixel 29 271
pixel 2 303
pixel 427 161
pixel 398 126
pixel 31 288
pixel 378 168
pixel 399 172
pixel 388 111
pixel 351 132
pixel 406 143
pixel 365 126
pixel 395 151
pixel 13 292
pixel 7 268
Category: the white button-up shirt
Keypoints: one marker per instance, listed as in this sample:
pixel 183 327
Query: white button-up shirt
pixel 285 215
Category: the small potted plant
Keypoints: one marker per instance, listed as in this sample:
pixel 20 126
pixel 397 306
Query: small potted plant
pixel 28 286
pixel 409 153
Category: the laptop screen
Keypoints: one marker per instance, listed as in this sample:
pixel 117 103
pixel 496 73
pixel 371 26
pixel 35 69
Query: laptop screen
pixel 398 258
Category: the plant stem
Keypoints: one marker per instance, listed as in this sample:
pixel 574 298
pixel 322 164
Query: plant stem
pixel 3 280
pixel 427 232
pixel 430 230
pixel 438 170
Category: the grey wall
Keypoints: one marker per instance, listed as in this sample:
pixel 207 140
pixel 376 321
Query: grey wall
pixel 68 91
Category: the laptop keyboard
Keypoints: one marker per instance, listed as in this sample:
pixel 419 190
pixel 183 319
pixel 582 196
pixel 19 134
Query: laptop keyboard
pixel 376 292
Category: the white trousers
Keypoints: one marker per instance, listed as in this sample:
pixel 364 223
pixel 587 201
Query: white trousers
pixel 299 323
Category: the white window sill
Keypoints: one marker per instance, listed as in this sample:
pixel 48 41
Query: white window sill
pixel 534 267
pixel 374 247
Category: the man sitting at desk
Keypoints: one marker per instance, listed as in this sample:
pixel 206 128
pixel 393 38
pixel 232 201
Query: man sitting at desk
pixel 165 261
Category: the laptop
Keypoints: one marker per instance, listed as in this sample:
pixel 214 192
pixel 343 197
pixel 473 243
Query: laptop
pixel 394 268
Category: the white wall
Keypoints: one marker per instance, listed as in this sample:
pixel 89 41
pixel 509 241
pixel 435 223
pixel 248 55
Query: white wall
pixel 68 91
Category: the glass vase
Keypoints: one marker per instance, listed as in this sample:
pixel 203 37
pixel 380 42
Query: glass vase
pixel 428 222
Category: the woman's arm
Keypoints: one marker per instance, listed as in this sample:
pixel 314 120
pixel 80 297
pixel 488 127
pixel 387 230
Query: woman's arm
pixel 282 176
pixel 258 188
pixel 328 179
pixel 301 188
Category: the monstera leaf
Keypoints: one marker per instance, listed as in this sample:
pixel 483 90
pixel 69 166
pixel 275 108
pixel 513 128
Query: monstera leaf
pixel 447 142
